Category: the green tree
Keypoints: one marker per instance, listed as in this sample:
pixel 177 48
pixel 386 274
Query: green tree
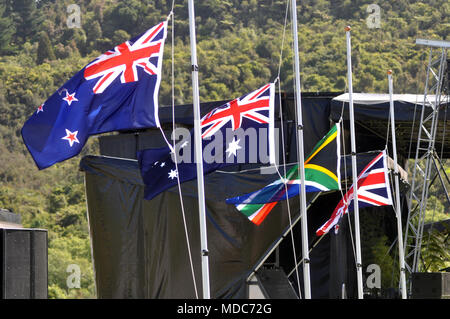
pixel 382 257
pixel 6 31
pixel 26 19
pixel 435 254
pixel 45 50
pixel 123 16
pixel 120 36
pixel 94 34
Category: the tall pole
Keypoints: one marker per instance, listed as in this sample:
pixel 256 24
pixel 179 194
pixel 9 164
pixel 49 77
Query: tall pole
pixel 199 156
pixel 301 160
pixel 354 167
pixel 401 253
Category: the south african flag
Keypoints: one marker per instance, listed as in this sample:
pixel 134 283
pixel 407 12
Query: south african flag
pixel 322 173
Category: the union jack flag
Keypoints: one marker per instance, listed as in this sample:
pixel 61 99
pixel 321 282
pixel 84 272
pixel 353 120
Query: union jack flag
pixel 125 58
pixel 373 190
pixel 254 106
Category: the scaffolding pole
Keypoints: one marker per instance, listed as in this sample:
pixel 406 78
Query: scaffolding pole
pixel 425 152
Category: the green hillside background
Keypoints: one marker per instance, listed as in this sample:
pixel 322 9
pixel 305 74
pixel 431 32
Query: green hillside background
pixel 239 45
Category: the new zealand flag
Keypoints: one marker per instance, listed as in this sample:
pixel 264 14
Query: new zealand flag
pixel 117 91
pixel 239 132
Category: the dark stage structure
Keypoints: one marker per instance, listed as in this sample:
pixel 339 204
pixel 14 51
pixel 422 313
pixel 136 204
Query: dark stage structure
pixel 23 259
pixel 140 248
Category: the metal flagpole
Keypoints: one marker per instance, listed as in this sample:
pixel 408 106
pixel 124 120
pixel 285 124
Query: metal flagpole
pixel 301 160
pixel 199 156
pixel 354 168
pixel 401 253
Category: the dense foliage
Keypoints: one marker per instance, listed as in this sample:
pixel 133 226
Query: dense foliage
pixel 239 44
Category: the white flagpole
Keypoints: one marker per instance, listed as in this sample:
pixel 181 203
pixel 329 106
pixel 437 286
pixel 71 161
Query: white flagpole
pixel 401 253
pixel 354 168
pixel 301 160
pixel 199 156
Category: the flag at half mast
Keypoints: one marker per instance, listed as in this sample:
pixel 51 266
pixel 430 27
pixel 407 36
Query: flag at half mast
pixel 373 190
pixel 322 173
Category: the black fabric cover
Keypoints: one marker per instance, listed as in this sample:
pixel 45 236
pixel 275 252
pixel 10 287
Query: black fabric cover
pixel 331 257
pixel 139 247
pixel 316 124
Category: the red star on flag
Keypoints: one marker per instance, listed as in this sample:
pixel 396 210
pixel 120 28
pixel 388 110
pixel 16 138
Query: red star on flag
pixel 70 97
pixel 40 108
pixel 71 137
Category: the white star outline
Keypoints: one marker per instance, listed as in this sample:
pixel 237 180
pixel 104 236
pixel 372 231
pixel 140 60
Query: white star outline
pixel 69 98
pixel 233 146
pixel 40 108
pixel 173 174
pixel 71 137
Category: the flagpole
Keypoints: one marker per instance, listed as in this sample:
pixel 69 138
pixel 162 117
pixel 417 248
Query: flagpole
pixel 301 161
pixel 401 253
pixel 354 168
pixel 199 156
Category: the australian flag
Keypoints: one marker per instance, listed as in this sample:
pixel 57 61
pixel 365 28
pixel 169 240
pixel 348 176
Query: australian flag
pixel 117 91
pixel 239 132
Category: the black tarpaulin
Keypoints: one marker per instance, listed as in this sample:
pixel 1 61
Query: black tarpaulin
pixel 331 257
pixel 116 211
pixel 315 124
pixel 139 247
pixel 140 250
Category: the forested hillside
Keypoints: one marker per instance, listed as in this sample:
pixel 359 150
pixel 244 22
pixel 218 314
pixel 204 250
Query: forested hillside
pixel 239 41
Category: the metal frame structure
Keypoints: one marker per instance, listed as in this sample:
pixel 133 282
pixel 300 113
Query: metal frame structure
pixel 426 157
